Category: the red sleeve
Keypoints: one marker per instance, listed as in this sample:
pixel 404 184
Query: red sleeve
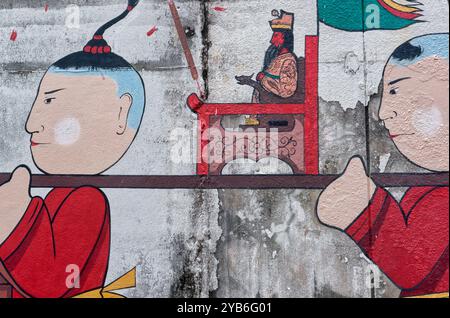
pixel 40 248
pixel 406 245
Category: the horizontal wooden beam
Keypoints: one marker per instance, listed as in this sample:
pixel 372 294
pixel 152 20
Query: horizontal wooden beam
pixel 226 182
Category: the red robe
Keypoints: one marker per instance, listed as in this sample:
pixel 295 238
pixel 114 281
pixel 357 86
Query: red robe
pixel 409 240
pixel 70 227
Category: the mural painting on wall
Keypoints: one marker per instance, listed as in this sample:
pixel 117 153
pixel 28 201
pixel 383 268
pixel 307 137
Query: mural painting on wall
pixel 40 237
pixel 281 80
pixel 285 100
pixel 402 238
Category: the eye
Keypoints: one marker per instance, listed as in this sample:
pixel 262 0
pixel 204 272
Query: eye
pixel 48 100
pixel 393 91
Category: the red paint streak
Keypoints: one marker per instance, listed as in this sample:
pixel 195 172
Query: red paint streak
pixel 152 31
pixel 46 7
pixel 219 9
pixel 13 36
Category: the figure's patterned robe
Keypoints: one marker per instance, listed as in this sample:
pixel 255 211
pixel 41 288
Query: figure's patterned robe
pixel 281 77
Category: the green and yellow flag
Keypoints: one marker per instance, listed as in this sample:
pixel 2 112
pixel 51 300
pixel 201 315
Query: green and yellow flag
pixel 367 15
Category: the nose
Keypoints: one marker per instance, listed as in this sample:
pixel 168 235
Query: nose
pixel 34 124
pixel 387 114
pixel 34 129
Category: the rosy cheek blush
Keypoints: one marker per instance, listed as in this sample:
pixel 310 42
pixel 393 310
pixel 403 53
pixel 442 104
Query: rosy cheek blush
pixel 67 131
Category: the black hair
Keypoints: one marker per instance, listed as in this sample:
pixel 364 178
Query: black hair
pixel 97 53
pixel 273 51
pixel 288 40
pixel 407 51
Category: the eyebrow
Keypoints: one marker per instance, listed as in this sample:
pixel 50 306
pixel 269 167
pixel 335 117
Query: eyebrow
pixel 55 91
pixel 399 80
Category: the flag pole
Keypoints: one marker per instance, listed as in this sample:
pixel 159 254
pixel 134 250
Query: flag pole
pixel 185 45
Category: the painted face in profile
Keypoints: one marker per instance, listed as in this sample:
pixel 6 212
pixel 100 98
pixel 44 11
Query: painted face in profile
pixel 277 39
pixel 79 124
pixel 415 104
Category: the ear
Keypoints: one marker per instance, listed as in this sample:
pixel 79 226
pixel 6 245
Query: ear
pixel 126 100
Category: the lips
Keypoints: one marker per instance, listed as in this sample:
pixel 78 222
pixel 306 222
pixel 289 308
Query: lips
pixel 34 144
pixel 393 136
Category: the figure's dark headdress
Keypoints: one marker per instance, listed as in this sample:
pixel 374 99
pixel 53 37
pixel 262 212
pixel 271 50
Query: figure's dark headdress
pixel 284 23
pixel 284 20
pixel 97 54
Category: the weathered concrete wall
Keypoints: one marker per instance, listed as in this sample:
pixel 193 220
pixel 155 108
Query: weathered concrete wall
pixel 216 243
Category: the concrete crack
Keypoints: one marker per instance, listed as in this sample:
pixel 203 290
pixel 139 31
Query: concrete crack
pixel 205 4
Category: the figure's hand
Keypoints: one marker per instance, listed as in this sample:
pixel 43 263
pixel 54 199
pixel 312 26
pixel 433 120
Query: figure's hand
pixel 347 197
pixel 246 80
pixel 14 200
pixel 260 76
